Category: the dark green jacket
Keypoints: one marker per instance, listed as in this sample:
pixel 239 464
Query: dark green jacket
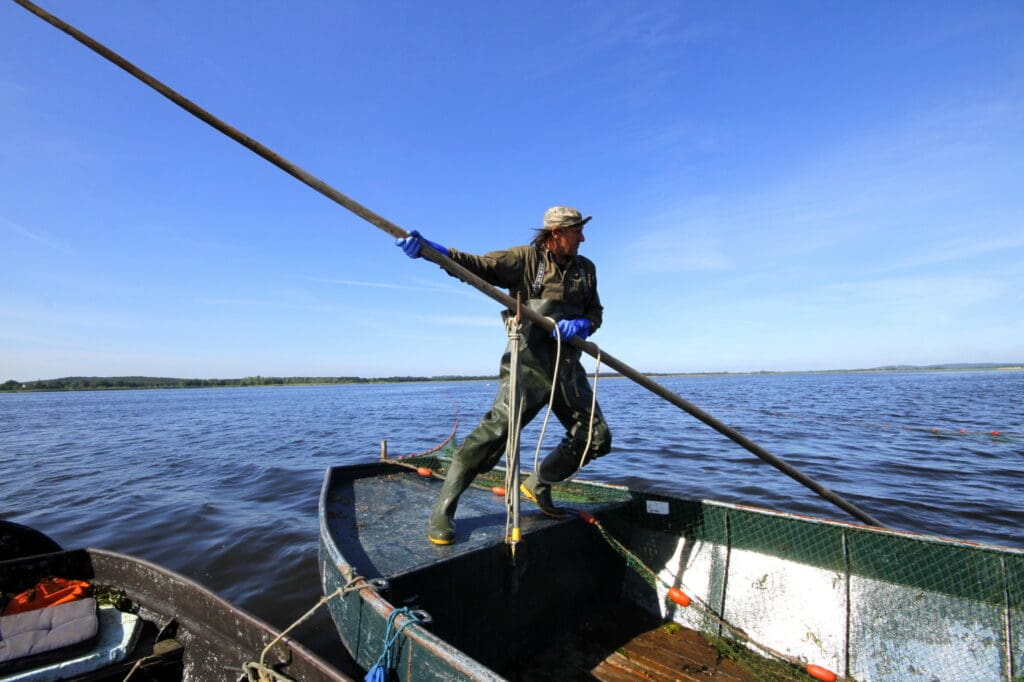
pixel 515 269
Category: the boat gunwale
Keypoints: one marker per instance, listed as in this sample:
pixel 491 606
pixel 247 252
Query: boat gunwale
pixel 640 494
pixel 265 629
pixel 853 525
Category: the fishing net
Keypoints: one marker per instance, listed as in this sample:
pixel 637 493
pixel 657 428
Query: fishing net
pixel 572 493
pixel 866 604
pixel 794 598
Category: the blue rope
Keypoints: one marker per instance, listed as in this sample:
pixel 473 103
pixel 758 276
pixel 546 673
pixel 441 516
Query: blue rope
pixel 380 670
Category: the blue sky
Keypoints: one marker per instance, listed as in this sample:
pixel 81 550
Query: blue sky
pixel 775 186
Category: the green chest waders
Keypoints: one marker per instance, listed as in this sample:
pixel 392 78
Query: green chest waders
pixel 483 447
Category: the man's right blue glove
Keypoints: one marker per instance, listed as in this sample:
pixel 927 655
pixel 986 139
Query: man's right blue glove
pixel 413 244
pixel 579 326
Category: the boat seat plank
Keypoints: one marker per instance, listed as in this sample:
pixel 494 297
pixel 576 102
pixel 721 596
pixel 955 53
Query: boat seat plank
pixel 622 642
pixel 663 655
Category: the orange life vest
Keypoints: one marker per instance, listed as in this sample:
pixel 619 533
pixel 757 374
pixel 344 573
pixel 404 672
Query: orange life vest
pixel 47 592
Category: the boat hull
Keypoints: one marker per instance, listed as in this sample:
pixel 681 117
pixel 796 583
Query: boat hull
pixel 863 602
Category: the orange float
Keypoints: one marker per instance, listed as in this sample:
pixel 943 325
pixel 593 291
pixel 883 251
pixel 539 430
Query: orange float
pixel 819 673
pixel 679 597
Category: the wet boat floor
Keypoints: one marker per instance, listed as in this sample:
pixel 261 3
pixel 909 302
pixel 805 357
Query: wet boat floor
pixel 380 522
pixel 624 642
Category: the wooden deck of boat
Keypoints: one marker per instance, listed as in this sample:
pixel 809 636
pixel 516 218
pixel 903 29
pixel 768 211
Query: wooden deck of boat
pixel 379 522
pixel 625 643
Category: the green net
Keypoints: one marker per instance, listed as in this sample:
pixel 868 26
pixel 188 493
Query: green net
pixel 572 493
pixel 868 604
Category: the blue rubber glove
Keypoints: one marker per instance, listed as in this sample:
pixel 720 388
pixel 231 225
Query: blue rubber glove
pixel 413 244
pixel 579 326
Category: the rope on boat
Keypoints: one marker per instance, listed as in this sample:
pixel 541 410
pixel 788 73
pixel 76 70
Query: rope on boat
pixel 512 446
pixel 381 670
pixel 687 597
pixel 261 672
pixel 135 667
pixel 551 402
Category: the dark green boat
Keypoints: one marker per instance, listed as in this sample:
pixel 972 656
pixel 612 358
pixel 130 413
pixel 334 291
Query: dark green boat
pixel 771 595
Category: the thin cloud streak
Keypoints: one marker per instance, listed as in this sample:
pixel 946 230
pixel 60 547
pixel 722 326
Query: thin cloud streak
pixel 918 293
pixel 960 250
pixel 355 283
pixel 461 321
pixel 43 239
pixel 422 284
pixel 881 186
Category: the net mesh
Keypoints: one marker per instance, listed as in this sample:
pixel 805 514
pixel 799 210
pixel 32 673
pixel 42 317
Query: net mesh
pixel 792 598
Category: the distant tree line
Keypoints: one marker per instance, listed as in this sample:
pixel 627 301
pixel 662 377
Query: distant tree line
pixel 113 383
pixel 108 383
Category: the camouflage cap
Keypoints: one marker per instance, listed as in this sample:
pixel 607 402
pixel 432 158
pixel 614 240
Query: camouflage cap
pixel 563 216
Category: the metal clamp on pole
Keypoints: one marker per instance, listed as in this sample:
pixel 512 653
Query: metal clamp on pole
pixel 513 532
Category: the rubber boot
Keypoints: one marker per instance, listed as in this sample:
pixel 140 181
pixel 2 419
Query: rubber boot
pixel 441 527
pixel 540 494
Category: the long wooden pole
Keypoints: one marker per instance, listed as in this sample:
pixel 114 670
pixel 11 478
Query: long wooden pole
pixel 448 264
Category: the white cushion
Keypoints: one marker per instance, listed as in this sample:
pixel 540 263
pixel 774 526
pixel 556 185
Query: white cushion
pixel 46 629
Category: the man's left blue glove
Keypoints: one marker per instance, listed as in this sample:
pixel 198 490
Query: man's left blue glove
pixel 413 245
pixel 579 326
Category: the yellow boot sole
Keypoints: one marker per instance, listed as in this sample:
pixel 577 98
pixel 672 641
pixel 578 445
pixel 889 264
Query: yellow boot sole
pixel 554 513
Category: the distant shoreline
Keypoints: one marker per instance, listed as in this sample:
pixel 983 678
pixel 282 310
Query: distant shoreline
pixel 139 382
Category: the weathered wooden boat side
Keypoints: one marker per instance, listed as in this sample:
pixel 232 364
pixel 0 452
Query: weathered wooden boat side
pixel 217 639
pixel 866 603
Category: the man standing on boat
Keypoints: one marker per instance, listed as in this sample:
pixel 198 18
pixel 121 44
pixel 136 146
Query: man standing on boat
pixel 551 278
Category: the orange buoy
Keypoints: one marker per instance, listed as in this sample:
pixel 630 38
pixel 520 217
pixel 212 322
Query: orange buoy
pixel 424 471
pixel 587 516
pixel 679 597
pixel 819 673
pixel 995 433
pixel 498 490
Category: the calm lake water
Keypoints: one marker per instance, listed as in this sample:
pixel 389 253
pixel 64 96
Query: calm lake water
pixel 222 484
